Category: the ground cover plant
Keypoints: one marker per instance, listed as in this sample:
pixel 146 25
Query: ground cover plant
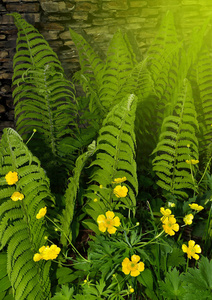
pixel 108 195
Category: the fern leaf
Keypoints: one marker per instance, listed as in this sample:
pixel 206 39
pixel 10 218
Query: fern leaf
pixel 172 145
pixel 115 152
pixel 71 194
pixel 21 232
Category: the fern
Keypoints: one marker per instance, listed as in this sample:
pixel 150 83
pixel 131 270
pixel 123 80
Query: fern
pixel 20 231
pixel 91 70
pixel 44 100
pixel 71 194
pixel 177 132
pixel 204 80
pixel 115 154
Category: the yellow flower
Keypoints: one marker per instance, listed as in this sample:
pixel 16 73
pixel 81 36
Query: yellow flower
pixel 101 186
pixel 47 253
pixel 192 249
pixel 165 212
pixel 188 219
pixel 131 290
pixel 37 257
pixel 171 204
pixel 120 191
pixel 11 178
pixel 41 213
pixel 17 196
pixel 196 207
pixel 119 180
pixel 192 161
pixel 170 225
pixel 133 267
pixel 108 223
pixel 95 200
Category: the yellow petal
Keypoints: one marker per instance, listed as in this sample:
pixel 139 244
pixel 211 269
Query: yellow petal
pixel 191 244
pixel 101 218
pixel 116 221
pixel 197 249
pixel 141 266
pixel 125 262
pixel 102 227
pixel 37 257
pixel 110 214
pixel 134 273
pixel 135 258
pixel 125 270
pixel 196 256
pixel 184 248
pixel 112 230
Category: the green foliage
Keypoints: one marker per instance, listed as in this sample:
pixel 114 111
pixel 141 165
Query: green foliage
pixel 178 131
pixel 172 287
pixel 115 154
pixel 71 195
pixel 198 282
pixel 43 99
pixel 20 232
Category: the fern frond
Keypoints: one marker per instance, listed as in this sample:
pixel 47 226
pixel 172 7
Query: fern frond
pixel 204 80
pixel 71 194
pixel 115 153
pixel 119 64
pixel 20 231
pixel 172 150
pixel 43 98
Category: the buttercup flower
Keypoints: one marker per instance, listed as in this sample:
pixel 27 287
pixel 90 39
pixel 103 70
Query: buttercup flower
pixel 170 225
pixel 131 290
pixel 11 177
pixel 17 196
pixel 95 200
pixel 119 180
pixel 41 213
pixel 133 267
pixel 101 186
pixel 165 212
pixel 188 219
pixel 192 161
pixel 192 249
pixel 108 223
pixel 47 253
pixel 120 191
pixel 196 207
pixel 37 257
pixel 171 204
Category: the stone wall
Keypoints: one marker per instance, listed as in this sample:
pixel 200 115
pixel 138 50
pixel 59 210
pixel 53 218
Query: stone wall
pixel 97 20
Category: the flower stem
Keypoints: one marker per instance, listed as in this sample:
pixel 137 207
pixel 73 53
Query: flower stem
pixel 75 250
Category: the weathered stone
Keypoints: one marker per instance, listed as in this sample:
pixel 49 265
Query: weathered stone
pixel 65 35
pixel 138 3
pixel 5 89
pixel 135 20
pixel 68 43
pixel 80 16
pixel 2 109
pixel 50 6
pixel 3 54
pixel 2 37
pixel 50 35
pixel 130 12
pixel 52 26
pixel 23 7
pixel 5 19
pixel 86 6
pixel 32 18
pixel 96 30
pixel 146 12
pixel 108 21
pixel 66 17
pixel 5 75
pixel 118 4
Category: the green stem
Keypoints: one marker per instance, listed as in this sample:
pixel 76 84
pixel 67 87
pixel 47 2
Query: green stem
pixel 205 171
pixel 75 250
pixel 154 238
